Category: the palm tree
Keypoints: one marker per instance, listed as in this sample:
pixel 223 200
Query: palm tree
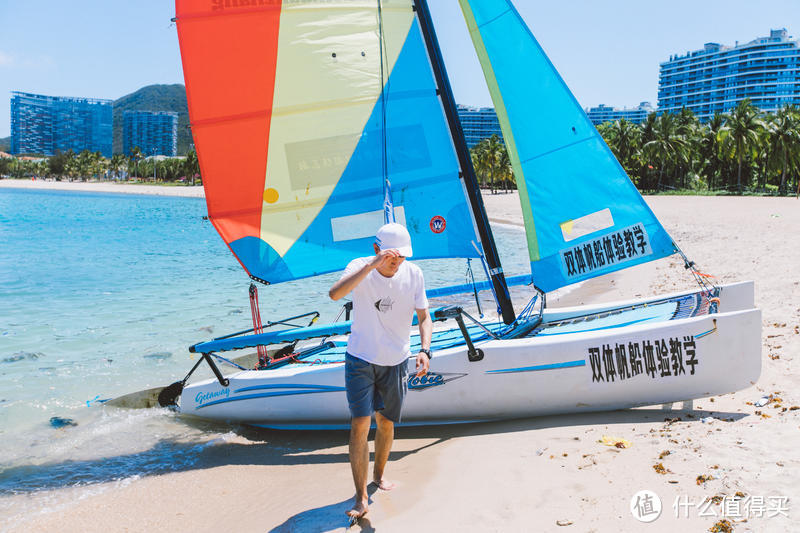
pixel 136 155
pixel 491 152
pixel 478 163
pixel 741 130
pixel 688 127
pixel 623 138
pixel 83 164
pixel 785 140
pixel 115 165
pixel 191 164
pixel 709 147
pixel 483 161
pixel 667 147
pixel 646 135
pixel 41 168
pixel 504 167
pixel 71 167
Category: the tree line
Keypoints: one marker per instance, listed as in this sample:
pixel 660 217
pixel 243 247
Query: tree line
pixel 92 165
pixel 744 151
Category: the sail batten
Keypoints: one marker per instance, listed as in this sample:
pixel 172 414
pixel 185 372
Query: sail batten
pixel 554 150
pixel 564 170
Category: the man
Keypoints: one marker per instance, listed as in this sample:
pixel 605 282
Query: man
pixel 386 290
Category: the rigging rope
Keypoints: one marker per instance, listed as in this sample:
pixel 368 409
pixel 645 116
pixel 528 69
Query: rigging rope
pixel 470 278
pixel 258 327
pixel 703 280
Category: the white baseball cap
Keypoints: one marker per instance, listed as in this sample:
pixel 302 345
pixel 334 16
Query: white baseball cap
pixel 394 236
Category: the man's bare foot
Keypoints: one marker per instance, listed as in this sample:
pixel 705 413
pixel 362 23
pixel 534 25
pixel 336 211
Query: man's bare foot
pixel 384 484
pixel 359 509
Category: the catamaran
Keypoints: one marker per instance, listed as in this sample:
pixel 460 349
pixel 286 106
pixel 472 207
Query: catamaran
pixel 317 121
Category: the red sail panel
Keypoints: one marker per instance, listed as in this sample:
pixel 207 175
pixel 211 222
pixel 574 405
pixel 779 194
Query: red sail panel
pixel 229 50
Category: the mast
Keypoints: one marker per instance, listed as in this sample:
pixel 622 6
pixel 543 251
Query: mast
pixel 465 161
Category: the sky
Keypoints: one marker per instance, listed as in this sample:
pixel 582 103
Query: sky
pixel 608 52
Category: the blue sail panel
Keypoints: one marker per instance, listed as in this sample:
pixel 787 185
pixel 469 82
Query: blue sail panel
pixel 423 174
pixel 583 215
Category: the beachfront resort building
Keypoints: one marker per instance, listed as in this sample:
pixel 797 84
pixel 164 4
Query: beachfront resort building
pixel 715 79
pixel 478 123
pixel 605 113
pixel 45 125
pixel 154 132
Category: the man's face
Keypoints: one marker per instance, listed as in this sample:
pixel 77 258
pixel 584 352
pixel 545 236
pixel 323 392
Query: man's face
pixel 393 264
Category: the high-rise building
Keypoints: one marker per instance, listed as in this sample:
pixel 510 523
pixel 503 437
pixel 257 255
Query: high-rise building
pixel 154 132
pixel 604 113
pixel 478 123
pixel 718 77
pixel 46 124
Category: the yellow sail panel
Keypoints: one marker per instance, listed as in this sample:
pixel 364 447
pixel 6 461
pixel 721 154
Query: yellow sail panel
pixel 328 82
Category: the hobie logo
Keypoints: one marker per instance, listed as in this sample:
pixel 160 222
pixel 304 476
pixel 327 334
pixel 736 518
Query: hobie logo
pixel 203 397
pixel 431 379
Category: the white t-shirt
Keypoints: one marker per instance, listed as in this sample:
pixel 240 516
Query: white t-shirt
pixel 383 309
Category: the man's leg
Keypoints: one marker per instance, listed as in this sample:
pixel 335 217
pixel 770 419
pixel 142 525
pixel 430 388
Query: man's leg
pixel 384 437
pixel 359 463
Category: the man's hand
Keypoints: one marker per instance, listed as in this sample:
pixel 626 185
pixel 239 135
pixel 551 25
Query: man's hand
pixel 383 257
pixel 423 364
pixel 349 282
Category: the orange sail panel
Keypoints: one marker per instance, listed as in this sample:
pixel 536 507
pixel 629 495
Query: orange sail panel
pixel 229 50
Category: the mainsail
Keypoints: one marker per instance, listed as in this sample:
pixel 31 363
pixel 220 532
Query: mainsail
pixel 583 215
pixel 304 114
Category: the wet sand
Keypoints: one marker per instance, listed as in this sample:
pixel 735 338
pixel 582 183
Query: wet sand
pixel 539 474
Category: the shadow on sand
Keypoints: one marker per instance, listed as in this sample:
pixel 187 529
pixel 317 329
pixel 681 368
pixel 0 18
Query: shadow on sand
pixel 327 518
pixel 281 447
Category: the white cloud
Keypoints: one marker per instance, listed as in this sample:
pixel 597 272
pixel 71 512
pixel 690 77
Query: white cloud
pixel 5 59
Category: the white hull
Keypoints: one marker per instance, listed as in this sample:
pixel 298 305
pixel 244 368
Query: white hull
pixel 540 375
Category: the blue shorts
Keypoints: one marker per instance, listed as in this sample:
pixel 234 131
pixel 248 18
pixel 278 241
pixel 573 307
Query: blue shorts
pixel 373 387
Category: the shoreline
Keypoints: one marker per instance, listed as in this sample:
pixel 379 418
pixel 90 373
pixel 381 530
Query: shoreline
pixel 183 191
pixel 531 474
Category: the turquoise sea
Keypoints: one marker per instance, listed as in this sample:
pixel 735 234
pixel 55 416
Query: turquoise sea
pixel 100 295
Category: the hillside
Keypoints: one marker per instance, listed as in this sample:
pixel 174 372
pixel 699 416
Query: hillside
pixel 5 144
pixel 154 98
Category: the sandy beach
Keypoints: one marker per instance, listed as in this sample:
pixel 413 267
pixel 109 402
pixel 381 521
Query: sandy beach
pixel 538 474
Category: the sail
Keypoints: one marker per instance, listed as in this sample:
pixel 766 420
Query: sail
pixel 583 215
pixel 305 114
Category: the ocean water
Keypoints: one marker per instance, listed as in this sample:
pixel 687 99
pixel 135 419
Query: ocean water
pixel 100 295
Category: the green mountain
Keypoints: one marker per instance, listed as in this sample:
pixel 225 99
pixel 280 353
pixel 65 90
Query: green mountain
pixel 5 144
pixel 155 98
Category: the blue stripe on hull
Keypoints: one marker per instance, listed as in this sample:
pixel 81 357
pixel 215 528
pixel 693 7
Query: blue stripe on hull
pixel 551 366
pixel 322 388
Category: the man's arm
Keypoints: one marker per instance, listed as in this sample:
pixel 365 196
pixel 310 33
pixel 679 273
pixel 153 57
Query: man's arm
pixel 425 333
pixel 342 287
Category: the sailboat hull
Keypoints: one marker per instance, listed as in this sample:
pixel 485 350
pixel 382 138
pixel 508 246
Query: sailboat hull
pixel 556 371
